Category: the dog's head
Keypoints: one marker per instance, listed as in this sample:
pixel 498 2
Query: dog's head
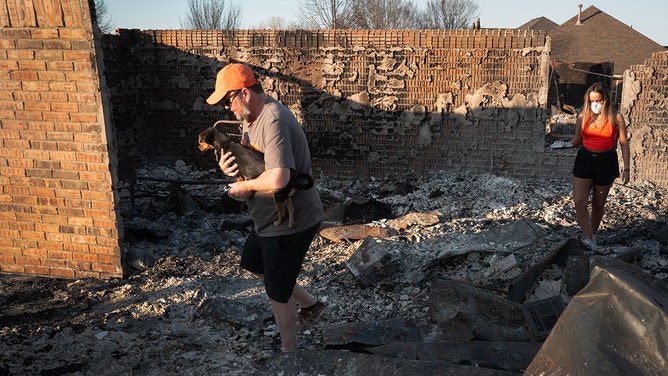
pixel 212 138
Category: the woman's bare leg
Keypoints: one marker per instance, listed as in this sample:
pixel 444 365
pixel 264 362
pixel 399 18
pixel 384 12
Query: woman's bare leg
pixel 598 198
pixel 581 191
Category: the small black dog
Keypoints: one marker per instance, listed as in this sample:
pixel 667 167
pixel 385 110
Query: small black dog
pixel 251 164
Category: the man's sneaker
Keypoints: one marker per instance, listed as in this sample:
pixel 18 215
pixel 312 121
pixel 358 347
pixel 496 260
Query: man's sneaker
pixel 309 315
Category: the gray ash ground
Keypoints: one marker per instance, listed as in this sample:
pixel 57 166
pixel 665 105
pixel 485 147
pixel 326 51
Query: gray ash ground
pixel 152 323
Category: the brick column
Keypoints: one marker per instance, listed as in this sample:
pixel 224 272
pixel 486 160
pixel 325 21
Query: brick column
pixel 57 211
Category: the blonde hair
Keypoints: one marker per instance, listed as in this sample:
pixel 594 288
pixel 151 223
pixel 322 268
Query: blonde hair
pixel 608 112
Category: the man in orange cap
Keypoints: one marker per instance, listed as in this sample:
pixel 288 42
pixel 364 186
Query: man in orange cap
pixel 275 253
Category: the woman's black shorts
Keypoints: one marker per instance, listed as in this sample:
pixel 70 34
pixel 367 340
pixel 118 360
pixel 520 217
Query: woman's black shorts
pixel 278 258
pixel 602 167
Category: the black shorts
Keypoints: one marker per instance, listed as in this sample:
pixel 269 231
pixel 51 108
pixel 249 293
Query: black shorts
pixel 278 258
pixel 602 167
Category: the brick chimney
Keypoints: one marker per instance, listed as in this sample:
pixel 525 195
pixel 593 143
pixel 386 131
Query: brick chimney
pixel 579 21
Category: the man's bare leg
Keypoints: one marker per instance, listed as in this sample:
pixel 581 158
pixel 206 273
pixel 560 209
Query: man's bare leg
pixel 285 315
pixel 286 321
pixel 302 297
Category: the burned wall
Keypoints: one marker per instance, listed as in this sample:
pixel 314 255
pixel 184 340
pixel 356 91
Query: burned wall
pixel 373 102
pixel 570 81
pixel 645 108
pixel 57 210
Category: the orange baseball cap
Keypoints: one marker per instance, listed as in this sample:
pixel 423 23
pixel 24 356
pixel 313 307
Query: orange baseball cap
pixel 233 76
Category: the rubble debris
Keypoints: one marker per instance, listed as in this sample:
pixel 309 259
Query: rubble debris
pixel 180 201
pixel 548 287
pixel 576 274
pixel 141 258
pixel 335 362
pixel 235 312
pixel 360 209
pixel 361 335
pixel 334 213
pixel 154 322
pixel 381 230
pixel 143 229
pixel 238 223
pixel 506 237
pixel 354 232
pixel 522 285
pixel 489 317
pixel 503 265
pixel 506 356
pixel 370 263
pixel 662 236
pixel 541 316
pixel 411 219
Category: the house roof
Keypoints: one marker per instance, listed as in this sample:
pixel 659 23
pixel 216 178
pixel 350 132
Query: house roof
pixel 601 38
pixel 540 23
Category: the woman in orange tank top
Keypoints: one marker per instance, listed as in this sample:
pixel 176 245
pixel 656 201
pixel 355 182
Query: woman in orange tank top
pixel 599 127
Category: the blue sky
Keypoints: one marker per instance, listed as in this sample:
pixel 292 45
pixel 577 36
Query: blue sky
pixel 647 16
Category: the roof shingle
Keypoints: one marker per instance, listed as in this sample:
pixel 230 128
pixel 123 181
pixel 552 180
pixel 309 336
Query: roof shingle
pixel 601 38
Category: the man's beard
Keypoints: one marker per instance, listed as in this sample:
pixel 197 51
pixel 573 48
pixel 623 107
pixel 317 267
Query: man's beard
pixel 244 114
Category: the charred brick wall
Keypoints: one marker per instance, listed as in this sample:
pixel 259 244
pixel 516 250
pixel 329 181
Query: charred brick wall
pixel 645 106
pixel 57 211
pixel 373 102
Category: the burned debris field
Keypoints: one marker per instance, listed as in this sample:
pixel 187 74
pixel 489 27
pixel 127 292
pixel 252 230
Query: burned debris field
pixel 455 264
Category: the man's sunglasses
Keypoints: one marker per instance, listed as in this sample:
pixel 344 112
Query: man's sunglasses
pixel 227 101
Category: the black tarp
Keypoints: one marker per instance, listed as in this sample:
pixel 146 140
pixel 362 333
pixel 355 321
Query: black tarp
pixel 616 325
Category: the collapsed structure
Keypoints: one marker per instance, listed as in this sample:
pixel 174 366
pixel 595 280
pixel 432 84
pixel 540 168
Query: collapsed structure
pixel 84 114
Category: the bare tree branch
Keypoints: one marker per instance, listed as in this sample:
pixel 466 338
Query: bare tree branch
pixel 325 14
pixel 450 14
pixel 385 14
pixel 211 15
pixel 102 16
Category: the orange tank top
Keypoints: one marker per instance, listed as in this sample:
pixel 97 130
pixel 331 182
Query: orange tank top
pixel 602 138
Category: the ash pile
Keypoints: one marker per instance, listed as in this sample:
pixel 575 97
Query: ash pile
pixel 450 273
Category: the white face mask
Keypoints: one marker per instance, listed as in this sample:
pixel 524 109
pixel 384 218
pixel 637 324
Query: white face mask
pixel 596 107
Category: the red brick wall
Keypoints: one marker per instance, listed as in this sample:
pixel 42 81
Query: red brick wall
pixel 57 212
pixel 645 105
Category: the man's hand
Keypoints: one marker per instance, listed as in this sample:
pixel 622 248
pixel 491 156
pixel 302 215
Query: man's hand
pixel 240 190
pixel 227 164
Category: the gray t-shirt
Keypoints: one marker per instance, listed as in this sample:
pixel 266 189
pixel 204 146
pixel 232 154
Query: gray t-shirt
pixel 277 133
